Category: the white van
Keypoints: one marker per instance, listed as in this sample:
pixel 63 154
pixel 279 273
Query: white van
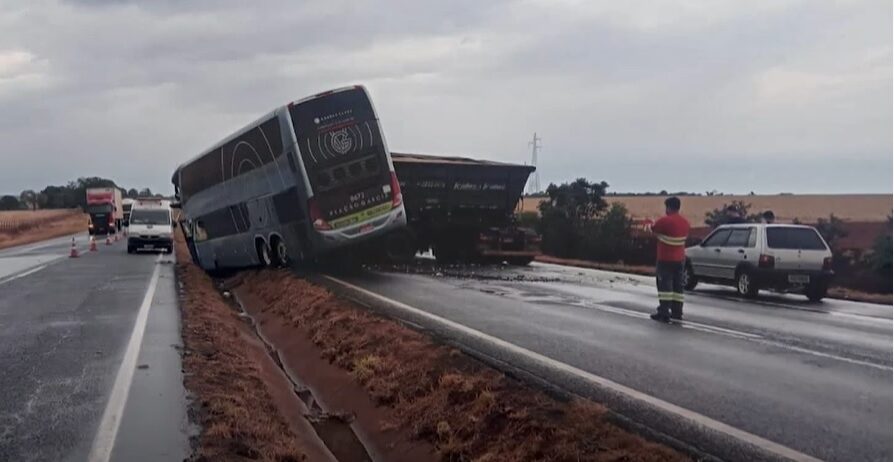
pixel 150 226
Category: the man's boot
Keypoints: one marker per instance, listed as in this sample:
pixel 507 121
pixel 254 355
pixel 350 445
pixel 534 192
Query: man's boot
pixel 676 311
pixel 660 317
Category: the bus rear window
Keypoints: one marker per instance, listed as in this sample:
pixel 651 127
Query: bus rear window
pixel 794 238
pixel 338 138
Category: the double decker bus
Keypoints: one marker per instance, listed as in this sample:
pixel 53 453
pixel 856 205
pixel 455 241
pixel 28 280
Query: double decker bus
pixel 309 177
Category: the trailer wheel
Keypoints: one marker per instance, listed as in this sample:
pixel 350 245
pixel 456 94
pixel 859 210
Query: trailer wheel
pixel 520 261
pixel 445 254
pixel 400 246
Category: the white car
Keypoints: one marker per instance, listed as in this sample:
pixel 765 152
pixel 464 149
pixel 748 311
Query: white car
pixel 751 257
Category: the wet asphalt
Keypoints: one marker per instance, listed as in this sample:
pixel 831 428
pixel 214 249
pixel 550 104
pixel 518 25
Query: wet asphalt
pixel 814 377
pixel 64 327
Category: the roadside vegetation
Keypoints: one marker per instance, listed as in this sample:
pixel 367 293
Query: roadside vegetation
pixel 577 223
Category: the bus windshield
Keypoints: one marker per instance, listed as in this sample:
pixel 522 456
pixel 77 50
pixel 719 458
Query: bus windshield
pixel 343 153
pixel 150 217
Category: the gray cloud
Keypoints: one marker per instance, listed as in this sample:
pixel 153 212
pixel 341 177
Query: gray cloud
pixel 623 91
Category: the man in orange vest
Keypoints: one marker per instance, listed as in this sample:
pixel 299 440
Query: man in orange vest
pixel 671 231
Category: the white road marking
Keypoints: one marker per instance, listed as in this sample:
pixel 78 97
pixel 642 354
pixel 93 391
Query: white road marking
pixel 21 275
pixel 104 441
pixel 739 335
pixel 762 443
pixel 647 280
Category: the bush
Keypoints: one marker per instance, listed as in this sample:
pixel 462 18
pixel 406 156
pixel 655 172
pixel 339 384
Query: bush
pixel 10 203
pixel 529 220
pixel 831 230
pixel 577 222
pixel 880 258
pixel 719 216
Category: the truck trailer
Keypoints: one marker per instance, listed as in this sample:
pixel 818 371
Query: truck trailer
pixel 462 209
pixel 105 208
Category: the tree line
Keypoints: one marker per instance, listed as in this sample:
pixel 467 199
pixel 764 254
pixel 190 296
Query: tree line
pixel 71 195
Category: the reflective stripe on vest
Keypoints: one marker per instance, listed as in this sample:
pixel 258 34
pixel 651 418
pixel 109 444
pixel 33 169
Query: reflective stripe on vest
pixel 674 241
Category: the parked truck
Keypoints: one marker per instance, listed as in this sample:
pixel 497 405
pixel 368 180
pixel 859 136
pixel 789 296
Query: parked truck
pixel 462 209
pixel 104 205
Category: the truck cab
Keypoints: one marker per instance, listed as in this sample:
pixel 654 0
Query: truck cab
pixel 150 226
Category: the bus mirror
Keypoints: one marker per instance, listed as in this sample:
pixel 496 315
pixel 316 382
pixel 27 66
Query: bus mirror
pixel 173 224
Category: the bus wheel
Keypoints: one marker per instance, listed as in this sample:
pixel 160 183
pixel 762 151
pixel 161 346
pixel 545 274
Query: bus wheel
pixel 263 253
pixel 280 252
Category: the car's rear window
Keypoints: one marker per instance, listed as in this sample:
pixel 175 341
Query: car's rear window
pixel 794 238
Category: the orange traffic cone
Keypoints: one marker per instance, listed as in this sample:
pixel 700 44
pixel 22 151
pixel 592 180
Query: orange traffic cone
pixel 108 240
pixel 74 249
pixel 92 244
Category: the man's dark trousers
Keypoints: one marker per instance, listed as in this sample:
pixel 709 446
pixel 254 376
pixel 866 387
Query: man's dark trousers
pixel 669 277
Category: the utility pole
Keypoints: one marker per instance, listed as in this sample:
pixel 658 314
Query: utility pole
pixel 534 183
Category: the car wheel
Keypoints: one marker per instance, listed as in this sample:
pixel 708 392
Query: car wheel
pixel 263 253
pixel 816 292
pixel 280 253
pixel 689 278
pixel 745 284
pixel 130 249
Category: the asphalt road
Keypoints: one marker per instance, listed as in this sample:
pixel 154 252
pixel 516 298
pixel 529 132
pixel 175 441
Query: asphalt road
pixel 66 325
pixel 815 378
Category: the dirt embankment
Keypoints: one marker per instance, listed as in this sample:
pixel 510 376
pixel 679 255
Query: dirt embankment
pixel 433 393
pixel 25 227
pixel 240 399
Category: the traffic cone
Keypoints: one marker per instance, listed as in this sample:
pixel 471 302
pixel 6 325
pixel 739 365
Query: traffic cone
pixel 108 240
pixel 93 244
pixel 74 249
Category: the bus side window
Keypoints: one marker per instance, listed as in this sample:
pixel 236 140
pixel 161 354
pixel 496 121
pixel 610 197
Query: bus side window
pixel 201 234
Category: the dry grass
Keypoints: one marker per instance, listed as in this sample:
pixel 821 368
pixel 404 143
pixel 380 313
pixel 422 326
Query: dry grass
pixel 468 411
pixel 240 419
pixel 25 227
pixel 807 208
pixel 29 215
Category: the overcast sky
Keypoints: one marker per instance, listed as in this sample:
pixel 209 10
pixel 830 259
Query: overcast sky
pixel 735 95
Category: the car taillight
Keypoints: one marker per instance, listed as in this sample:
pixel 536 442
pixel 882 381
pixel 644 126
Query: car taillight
pixel 827 263
pixel 397 197
pixel 766 261
pixel 316 216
